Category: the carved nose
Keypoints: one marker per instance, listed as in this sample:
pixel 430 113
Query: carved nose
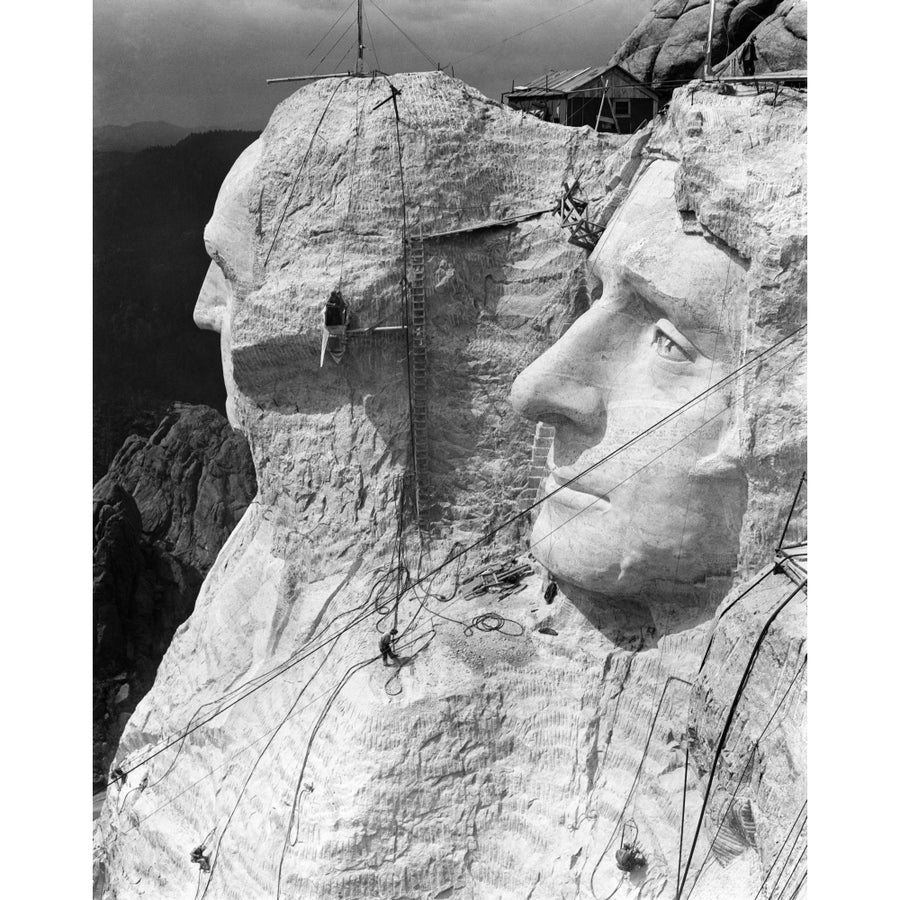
pixel 212 301
pixel 561 386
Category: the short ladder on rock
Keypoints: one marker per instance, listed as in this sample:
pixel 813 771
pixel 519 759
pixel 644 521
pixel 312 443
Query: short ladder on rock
pixel 573 215
pixel 419 362
pixel 537 469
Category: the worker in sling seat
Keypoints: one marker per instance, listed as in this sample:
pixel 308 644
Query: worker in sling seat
pixel 335 310
pixel 334 339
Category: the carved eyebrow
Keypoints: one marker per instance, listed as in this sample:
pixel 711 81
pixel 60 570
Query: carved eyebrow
pixel 674 335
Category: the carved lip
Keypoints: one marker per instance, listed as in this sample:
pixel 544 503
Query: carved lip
pixel 574 495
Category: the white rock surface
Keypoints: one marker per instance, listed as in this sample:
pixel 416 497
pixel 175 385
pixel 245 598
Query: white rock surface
pixel 491 764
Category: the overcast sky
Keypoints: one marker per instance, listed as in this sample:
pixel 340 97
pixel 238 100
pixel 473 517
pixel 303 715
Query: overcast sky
pixel 205 62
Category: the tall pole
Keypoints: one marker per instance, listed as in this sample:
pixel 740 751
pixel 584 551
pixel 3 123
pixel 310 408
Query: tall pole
pixel 707 63
pixel 359 40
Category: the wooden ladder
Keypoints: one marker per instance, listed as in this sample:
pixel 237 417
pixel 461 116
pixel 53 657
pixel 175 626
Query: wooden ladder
pixel 537 469
pixel 419 362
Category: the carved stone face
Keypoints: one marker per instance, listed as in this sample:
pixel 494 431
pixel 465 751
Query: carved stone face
pixel 664 325
pixel 228 238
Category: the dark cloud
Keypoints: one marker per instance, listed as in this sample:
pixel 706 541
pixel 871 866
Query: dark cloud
pixel 204 62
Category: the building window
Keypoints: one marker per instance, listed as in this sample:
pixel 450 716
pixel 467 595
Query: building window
pixel 622 109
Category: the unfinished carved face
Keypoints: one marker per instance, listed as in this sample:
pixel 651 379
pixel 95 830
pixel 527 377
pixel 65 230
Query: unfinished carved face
pixel 661 330
pixel 228 238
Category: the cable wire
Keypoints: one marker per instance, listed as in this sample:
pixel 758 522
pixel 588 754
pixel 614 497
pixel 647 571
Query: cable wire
pixel 371 39
pixel 637 775
pixel 290 196
pixel 517 34
pixel 489 534
pixel 342 36
pixel 748 669
pixel 781 850
pixel 727 379
pixel 430 60
pixel 333 26
pixel 750 757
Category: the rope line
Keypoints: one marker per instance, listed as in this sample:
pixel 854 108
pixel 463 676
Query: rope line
pixel 787 858
pixel 690 491
pixel 727 727
pixel 256 762
pixel 637 775
pixel 750 757
pixel 658 456
pixel 430 60
pixel 342 36
pixel 290 196
pixel 727 379
pixel 221 766
pixel 484 538
pixel 794 869
pixel 270 677
pixel 517 34
pixel 687 751
pixel 371 39
pixel 288 841
pixel 799 886
pixel 781 850
pixel 352 175
pixel 333 26
pixel 791 512
pixel 759 580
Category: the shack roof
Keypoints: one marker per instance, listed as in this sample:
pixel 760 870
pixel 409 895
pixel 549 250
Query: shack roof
pixel 558 83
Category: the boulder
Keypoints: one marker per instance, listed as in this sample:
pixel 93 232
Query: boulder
pixel 668 45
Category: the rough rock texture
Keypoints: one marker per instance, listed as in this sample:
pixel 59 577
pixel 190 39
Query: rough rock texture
pixel 758 794
pixel 161 514
pixel 669 43
pixel 494 763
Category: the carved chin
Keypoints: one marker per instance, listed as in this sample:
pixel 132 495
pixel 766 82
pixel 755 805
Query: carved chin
pixel 600 555
pixel 583 555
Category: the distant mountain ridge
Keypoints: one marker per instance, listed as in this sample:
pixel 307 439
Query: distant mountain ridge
pixel 138 136
pixel 150 208
pixel 143 135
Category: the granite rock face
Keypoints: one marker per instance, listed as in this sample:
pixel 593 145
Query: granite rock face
pixel 510 751
pixel 757 798
pixel 669 43
pixel 161 514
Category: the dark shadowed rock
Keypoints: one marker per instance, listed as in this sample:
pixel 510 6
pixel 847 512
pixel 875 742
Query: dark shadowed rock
pixel 161 515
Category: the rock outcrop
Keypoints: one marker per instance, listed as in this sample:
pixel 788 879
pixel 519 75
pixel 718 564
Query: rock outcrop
pixel 161 514
pixel 518 743
pixel 669 43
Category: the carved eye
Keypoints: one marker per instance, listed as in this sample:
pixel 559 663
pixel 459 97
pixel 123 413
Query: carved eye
pixel 670 344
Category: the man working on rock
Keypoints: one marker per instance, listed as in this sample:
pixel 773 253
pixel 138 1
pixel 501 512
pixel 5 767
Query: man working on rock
pixel 748 57
pixel 384 645
pixel 198 856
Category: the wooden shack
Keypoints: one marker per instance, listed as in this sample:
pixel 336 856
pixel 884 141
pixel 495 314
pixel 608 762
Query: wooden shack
pixel 606 98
